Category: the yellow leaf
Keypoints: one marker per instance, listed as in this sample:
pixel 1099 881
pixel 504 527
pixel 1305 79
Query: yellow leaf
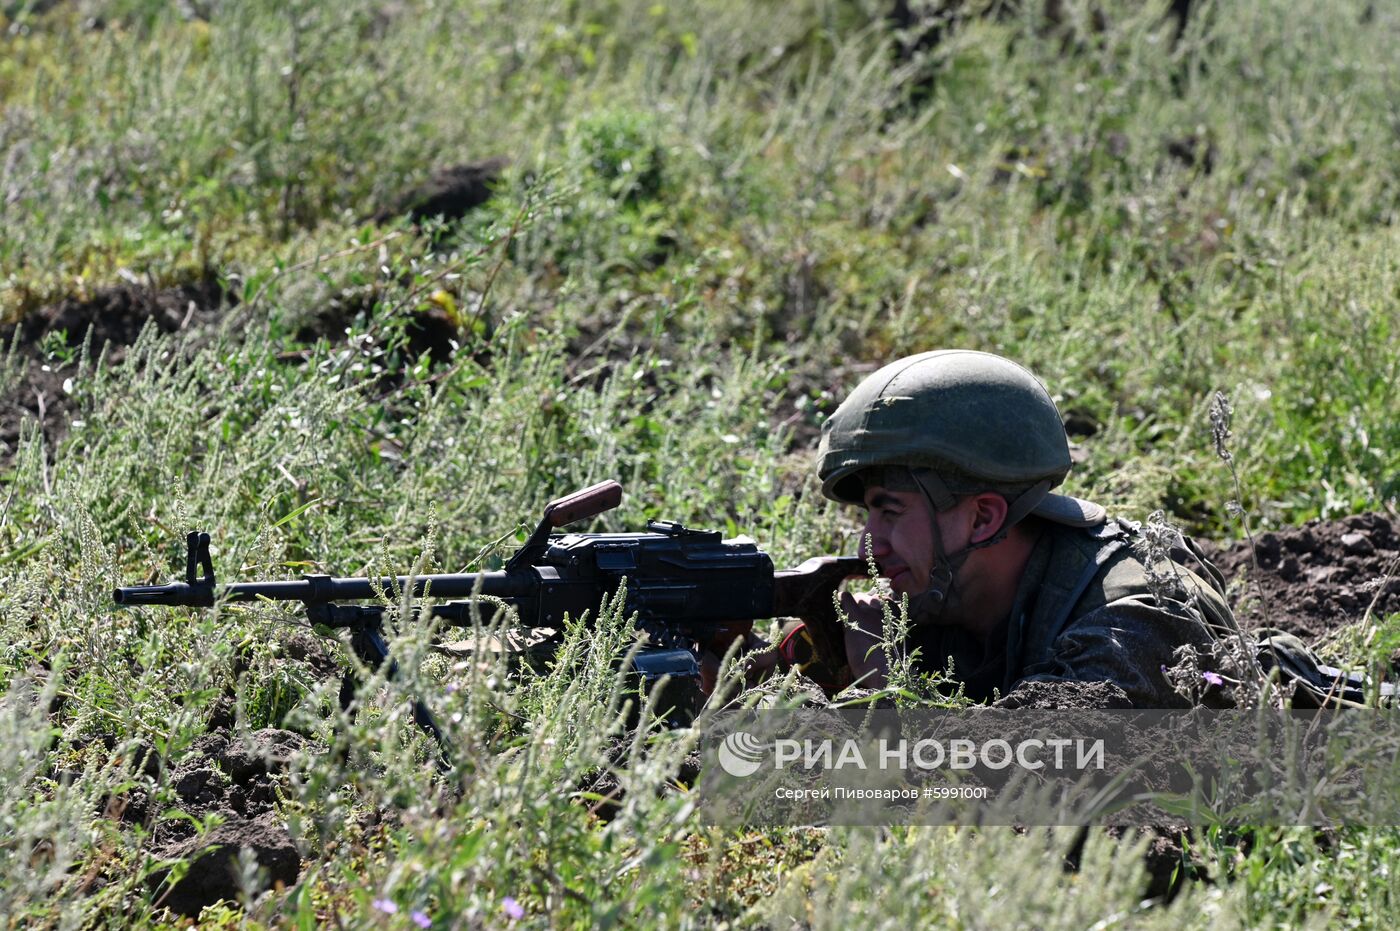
pixel 446 301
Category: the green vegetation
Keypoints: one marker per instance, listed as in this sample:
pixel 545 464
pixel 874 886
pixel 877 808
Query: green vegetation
pixel 716 214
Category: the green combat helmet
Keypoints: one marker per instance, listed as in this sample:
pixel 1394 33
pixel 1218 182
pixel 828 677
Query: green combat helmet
pixel 953 422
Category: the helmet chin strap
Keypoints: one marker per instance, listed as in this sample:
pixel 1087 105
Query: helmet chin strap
pixel 927 606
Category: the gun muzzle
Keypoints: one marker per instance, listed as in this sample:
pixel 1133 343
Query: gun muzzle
pixel 175 594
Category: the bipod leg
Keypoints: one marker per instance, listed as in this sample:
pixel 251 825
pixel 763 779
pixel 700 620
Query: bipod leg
pixel 422 716
pixel 368 644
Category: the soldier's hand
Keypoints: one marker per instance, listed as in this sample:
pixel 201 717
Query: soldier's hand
pixel 868 663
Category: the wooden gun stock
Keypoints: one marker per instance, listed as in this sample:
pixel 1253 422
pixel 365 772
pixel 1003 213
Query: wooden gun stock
pixel 806 592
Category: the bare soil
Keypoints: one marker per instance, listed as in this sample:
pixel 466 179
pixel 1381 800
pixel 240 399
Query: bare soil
pixel 236 777
pixel 430 330
pixel 1066 696
pixel 1313 579
pixel 236 774
pixel 449 193
pixel 48 343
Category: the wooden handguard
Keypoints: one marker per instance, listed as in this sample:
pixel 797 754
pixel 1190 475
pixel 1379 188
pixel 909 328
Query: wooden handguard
pixel 807 591
pixel 581 505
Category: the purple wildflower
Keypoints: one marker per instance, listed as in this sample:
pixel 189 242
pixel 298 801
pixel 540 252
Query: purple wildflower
pixel 1213 678
pixel 385 906
pixel 513 909
pixel 420 919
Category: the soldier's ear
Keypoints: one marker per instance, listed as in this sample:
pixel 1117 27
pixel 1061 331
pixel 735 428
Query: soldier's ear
pixel 988 516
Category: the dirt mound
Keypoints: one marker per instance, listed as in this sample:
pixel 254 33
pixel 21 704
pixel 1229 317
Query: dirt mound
pixel 117 314
pixel 213 874
pixel 1317 577
pixel 1065 696
pixel 49 342
pixel 429 330
pixel 449 192
pixel 237 777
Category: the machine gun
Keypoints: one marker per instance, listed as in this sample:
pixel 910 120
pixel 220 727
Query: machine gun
pixel 689 589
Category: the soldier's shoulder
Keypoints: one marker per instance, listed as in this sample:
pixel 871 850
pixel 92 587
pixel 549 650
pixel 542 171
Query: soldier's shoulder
pixel 1176 580
pixel 1126 570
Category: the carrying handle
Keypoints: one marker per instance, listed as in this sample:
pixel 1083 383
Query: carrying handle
pixel 583 504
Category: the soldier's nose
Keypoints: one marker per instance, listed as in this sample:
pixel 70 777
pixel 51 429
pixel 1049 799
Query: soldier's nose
pixel 871 545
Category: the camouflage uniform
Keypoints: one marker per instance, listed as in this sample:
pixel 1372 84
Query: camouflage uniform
pixel 1085 611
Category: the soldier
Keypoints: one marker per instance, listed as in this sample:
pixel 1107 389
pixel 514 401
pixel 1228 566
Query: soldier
pixel 953 455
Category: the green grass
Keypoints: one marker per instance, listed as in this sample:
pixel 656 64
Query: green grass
pixel 708 229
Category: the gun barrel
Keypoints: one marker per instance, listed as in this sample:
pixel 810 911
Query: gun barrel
pixel 322 588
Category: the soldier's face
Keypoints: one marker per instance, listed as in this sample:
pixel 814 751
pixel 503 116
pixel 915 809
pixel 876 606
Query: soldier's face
pixel 899 531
